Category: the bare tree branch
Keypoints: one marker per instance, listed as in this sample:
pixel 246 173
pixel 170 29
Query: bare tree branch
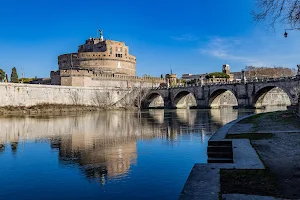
pixel 273 11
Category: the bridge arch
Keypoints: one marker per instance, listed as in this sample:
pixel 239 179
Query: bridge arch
pixel 274 95
pixel 153 100
pixel 222 97
pixel 184 99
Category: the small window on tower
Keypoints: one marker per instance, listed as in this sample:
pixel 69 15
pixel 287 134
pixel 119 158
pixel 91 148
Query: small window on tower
pixel 110 50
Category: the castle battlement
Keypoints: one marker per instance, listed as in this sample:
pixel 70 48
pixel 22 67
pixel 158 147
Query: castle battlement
pixel 98 76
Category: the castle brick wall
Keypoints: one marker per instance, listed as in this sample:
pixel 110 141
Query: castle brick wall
pixel 106 56
pixel 98 61
pixel 88 78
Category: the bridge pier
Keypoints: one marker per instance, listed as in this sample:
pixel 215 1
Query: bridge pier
pixel 168 103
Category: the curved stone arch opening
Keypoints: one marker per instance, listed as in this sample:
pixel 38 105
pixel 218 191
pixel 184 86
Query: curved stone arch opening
pixel 221 98
pixel 272 96
pixel 153 100
pixel 185 99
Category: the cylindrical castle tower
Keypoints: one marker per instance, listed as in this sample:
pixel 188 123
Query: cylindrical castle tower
pixel 101 56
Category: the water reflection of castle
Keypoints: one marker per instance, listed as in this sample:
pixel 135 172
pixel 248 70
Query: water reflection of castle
pixel 103 144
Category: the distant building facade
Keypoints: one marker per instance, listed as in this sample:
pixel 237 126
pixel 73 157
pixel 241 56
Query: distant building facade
pixel 198 78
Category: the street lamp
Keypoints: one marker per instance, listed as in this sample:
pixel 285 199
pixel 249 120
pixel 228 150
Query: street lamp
pixel 290 29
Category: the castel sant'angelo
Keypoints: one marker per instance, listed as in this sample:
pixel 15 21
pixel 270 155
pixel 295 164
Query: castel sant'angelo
pixel 99 62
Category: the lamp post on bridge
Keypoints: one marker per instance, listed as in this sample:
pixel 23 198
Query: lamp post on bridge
pixel 290 29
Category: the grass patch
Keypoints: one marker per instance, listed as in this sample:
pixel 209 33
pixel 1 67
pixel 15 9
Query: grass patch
pixel 250 136
pixel 282 116
pixel 254 181
pixel 278 119
pixel 252 119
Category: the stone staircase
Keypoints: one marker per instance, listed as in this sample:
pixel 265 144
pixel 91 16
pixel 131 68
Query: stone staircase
pixel 219 151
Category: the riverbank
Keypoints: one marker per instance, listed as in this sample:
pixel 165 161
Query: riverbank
pixel 275 137
pixel 52 109
pixel 265 149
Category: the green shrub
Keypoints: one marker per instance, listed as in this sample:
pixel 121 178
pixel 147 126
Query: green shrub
pixel 217 75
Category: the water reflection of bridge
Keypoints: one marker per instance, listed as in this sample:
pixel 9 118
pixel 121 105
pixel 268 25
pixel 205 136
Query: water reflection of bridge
pixel 105 144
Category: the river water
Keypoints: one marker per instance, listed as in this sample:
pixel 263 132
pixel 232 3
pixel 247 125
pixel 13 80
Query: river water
pixel 105 155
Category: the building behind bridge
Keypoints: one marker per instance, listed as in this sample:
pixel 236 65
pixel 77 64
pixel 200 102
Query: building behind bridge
pixel 197 78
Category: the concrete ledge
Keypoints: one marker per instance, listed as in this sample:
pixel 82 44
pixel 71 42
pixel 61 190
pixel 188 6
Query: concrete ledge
pixel 203 183
pixel 245 156
pixel 221 133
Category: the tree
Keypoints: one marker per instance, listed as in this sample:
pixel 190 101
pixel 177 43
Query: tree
pixel 274 11
pixel 268 72
pixel 161 76
pixel 26 80
pixel 217 75
pixel 2 75
pixel 14 76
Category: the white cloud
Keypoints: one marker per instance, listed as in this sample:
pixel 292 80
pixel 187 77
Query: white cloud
pixel 186 37
pixel 257 49
pixel 227 49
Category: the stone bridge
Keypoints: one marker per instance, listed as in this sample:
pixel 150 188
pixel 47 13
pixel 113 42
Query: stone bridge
pixel 248 94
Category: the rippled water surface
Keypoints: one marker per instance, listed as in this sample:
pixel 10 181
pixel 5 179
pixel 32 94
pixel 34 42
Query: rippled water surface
pixel 105 155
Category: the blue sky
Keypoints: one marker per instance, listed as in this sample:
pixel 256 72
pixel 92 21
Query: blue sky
pixel 191 36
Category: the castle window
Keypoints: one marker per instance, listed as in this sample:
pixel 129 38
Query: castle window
pixel 110 50
pixel 125 52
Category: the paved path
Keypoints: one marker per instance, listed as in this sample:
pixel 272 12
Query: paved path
pixel 247 197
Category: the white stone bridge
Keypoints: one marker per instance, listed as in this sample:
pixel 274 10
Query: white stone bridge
pixel 249 94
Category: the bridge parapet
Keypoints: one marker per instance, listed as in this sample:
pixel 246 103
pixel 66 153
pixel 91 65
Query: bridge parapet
pixel 249 81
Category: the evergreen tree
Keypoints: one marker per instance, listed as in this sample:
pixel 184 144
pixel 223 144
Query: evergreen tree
pixel 14 76
pixel 2 75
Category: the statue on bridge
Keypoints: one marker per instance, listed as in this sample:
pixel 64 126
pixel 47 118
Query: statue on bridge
pixel 244 79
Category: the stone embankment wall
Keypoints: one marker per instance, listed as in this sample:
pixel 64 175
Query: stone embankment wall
pixel 30 95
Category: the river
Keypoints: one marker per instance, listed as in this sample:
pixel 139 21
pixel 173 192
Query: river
pixel 105 155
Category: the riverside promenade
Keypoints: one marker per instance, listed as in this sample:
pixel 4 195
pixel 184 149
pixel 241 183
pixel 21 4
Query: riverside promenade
pixel 251 173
